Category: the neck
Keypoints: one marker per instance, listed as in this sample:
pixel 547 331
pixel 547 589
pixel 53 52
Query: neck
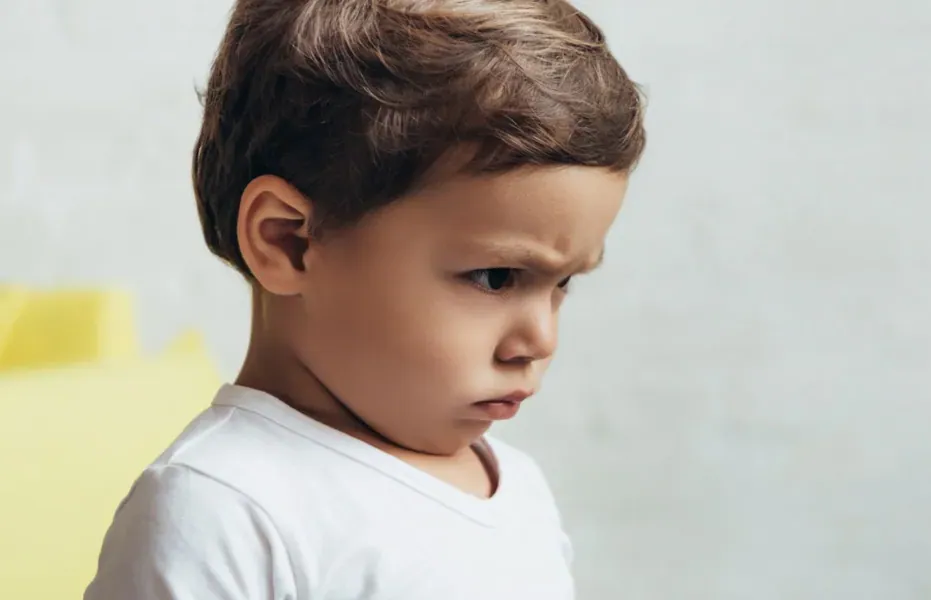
pixel 271 366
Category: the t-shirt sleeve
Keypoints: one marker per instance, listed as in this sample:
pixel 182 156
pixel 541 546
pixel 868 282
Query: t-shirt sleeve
pixel 181 535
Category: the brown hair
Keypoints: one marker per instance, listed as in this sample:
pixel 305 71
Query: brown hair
pixel 352 101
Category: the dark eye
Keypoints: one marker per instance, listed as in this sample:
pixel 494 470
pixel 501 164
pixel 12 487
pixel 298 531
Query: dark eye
pixel 564 284
pixel 493 280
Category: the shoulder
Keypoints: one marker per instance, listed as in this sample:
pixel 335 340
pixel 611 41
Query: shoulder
pixel 182 531
pixel 241 496
pixel 244 451
pixel 166 496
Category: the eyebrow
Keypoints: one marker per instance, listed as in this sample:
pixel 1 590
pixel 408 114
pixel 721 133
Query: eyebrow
pixel 543 260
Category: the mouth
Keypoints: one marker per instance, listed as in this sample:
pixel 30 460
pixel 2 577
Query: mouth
pixel 503 408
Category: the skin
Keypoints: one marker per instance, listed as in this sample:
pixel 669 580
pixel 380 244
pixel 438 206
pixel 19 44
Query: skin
pixel 391 330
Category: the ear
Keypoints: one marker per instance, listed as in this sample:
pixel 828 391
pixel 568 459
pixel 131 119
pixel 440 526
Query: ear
pixel 273 231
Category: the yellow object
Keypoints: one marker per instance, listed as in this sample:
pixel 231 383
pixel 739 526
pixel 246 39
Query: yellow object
pixel 73 437
pixel 50 328
pixel 12 302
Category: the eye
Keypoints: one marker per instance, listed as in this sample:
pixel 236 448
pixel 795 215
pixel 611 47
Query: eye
pixel 493 280
pixel 564 284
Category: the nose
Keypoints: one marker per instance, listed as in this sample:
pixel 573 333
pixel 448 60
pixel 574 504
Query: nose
pixel 533 336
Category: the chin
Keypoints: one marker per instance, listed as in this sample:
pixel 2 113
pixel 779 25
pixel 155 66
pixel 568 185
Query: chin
pixel 459 438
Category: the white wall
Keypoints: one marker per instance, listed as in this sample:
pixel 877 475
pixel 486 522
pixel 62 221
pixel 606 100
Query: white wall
pixel 742 404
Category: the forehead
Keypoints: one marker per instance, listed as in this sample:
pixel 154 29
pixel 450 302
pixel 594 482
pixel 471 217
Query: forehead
pixel 561 207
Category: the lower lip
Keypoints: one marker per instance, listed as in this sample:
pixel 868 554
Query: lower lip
pixel 499 410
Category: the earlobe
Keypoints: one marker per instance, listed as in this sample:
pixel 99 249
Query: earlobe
pixel 273 232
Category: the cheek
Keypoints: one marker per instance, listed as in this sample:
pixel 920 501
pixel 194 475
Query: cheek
pixel 398 334
pixel 430 341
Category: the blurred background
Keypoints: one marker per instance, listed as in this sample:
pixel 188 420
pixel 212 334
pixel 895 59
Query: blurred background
pixel 741 407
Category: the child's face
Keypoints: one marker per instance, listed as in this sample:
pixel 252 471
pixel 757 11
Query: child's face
pixel 451 297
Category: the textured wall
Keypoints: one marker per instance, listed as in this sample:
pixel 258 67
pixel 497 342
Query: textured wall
pixel 742 404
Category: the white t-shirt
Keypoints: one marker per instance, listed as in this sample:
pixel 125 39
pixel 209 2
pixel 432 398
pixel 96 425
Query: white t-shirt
pixel 255 501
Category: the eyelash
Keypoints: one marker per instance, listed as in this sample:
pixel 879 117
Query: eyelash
pixel 511 274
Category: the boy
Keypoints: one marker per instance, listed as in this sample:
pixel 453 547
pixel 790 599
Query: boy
pixel 409 186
